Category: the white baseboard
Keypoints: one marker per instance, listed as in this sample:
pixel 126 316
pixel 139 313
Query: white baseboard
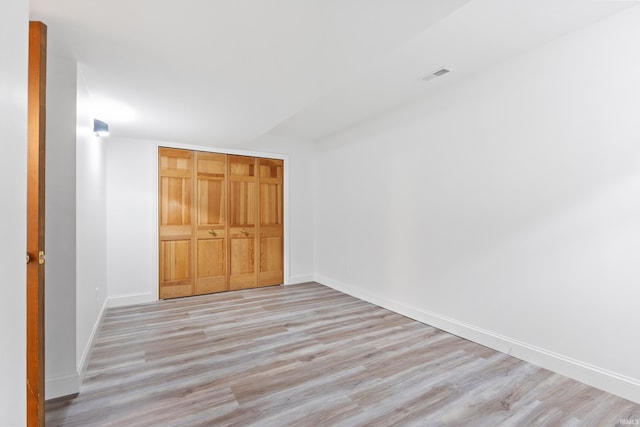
pixel 302 278
pixel 63 385
pixel 130 299
pixel 86 353
pixel 626 387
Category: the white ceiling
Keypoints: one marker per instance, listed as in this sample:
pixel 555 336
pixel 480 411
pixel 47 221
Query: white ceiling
pixel 220 72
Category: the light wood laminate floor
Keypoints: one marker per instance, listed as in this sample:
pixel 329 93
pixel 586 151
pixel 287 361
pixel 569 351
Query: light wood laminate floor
pixel 308 355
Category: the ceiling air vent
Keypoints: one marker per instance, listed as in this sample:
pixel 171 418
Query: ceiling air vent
pixel 437 73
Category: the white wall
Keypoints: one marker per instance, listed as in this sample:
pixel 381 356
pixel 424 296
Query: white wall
pixel 14 38
pixel 60 240
pixel 131 220
pixel 132 214
pixel 505 209
pixel 91 237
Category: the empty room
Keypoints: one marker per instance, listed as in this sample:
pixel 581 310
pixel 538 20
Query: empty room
pixel 312 212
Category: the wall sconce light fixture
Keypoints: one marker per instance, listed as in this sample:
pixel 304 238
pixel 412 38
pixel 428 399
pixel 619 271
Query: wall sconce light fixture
pixel 100 128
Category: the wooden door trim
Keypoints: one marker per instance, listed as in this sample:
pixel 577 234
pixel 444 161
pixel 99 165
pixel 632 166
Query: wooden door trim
pixel 35 221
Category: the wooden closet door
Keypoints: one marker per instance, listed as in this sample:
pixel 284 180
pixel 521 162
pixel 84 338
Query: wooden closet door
pixel 176 222
pixel 243 212
pixel 211 214
pixel 271 206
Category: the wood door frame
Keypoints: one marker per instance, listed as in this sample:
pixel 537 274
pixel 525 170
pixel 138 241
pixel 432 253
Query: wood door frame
pixel 36 135
pixel 286 201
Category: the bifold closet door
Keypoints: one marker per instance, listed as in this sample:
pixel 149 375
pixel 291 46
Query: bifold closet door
pixel 270 207
pixel 211 224
pixel 176 222
pixel 243 212
pixel 220 222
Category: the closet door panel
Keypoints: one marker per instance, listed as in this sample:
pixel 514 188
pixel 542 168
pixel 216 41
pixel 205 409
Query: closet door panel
pixel 211 266
pixel 243 203
pixel 175 214
pixel 271 204
pixel 175 200
pixel 271 261
pixel 210 234
pixel 243 270
pixel 271 211
pixel 271 191
pixel 243 208
pixel 175 268
pixel 211 191
pixel 211 201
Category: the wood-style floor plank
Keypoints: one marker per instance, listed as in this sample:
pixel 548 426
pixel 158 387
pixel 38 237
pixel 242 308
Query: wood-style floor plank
pixel 308 355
